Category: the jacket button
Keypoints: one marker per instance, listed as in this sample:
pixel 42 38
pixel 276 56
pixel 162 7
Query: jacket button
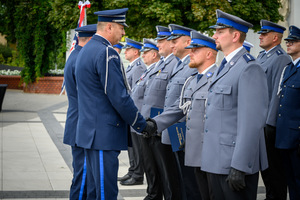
pixel 279 115
pixel 206 130
pixel 249 165
pixel 138 128
pixel 282 96
pixel 284 86
pixel 221 90
pixel 280 105
pixel 118 124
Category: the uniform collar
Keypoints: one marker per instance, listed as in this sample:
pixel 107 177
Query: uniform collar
pixel 185 58
pixel 271 49
pixel 207 69
pixel 296 61
pixel 232 54
pixel 104 38
pixel 134 61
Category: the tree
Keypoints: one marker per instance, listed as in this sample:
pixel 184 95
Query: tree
pixel 39 27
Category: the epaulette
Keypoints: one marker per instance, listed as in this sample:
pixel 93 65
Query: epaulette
pixel 279 52
pixel 248 57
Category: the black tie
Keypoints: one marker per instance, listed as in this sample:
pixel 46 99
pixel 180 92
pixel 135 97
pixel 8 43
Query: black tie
pixel 199 76
pixel 222 65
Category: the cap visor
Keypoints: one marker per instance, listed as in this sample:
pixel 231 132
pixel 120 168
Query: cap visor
pixel 161 38
pixel 219 26
pixel 292 38
pixel 264 31
pixel 123 24
pixel 173 37
pixel 191 46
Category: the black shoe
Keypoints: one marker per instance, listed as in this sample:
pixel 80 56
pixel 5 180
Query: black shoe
pixel 124 178
pixel 132 181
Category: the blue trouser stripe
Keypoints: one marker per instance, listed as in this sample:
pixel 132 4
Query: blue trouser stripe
pixel 83 180
pixel 101 175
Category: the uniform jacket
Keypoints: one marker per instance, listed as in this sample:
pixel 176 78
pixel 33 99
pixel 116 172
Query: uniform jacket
pixel 70 84
pixel 236 112
pixel 104 105
pixel 156 85
pixel 288 121
pixel 177 79
pixel 196 93
pixel 273 63
pixel 134 71
pixel 138 90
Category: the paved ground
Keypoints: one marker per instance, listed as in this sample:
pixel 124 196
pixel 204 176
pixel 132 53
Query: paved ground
pixel 34 163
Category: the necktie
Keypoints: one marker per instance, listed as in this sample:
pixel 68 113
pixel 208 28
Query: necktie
pixel 199 76
pixel 222 65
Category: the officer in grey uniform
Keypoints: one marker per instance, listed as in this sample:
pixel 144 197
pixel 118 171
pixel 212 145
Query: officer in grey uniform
pixel 153 184
pixel 273 59
pixel 180 38
pixel 118 47
pixel 135 69
pixel 192 104
pixel 158 158
pixel 233 146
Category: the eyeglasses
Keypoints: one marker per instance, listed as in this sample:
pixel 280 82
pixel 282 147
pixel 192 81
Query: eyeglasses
pixel 291 42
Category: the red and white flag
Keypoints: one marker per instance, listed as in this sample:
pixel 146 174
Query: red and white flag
pixel 82 6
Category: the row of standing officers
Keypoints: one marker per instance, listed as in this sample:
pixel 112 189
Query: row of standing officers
pixel 229 113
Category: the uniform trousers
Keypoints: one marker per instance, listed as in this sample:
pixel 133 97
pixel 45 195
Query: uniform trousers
pixel 291 161
pixel 78 186
pixel 103 165
pixel 136 169
pixel 222 191
pixel 274 176
pixel 188 176
pixel 201 178
pixel 164 163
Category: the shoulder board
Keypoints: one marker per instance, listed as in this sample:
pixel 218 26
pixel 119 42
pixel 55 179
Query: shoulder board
pixel 248 57
pixel 279 52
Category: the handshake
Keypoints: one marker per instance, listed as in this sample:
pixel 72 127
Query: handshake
pixel 150 129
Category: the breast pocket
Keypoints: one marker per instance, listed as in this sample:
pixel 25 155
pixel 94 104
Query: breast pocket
pixel 140 88
pixel 178 84
pixel 223 97
pixel 199 100
pixel 160 81
pixel 293 93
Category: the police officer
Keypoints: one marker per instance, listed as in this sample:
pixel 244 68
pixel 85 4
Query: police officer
pixel 136 67
pixel 150 57
pixel 288 120
pixel 180 38
pixel 247 45
pixel 162 176
pixel 233 147
pixel 104 106
pixel 118 47
pixel 78 187
pixel 192 104
pixel 273 59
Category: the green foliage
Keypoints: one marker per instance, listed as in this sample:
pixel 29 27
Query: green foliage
pixel 39 27
pixel 5 53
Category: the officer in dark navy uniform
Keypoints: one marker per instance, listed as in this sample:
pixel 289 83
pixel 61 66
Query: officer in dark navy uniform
pixel 288 120
pixel 104 106
pixel 135 69
pixel 273 59
pixel 78 187
pixel 118 47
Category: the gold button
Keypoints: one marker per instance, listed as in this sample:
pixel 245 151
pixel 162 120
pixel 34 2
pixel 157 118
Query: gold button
pixel 293 85
pixel 138 128
pixel 279 115
pixel 280 105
